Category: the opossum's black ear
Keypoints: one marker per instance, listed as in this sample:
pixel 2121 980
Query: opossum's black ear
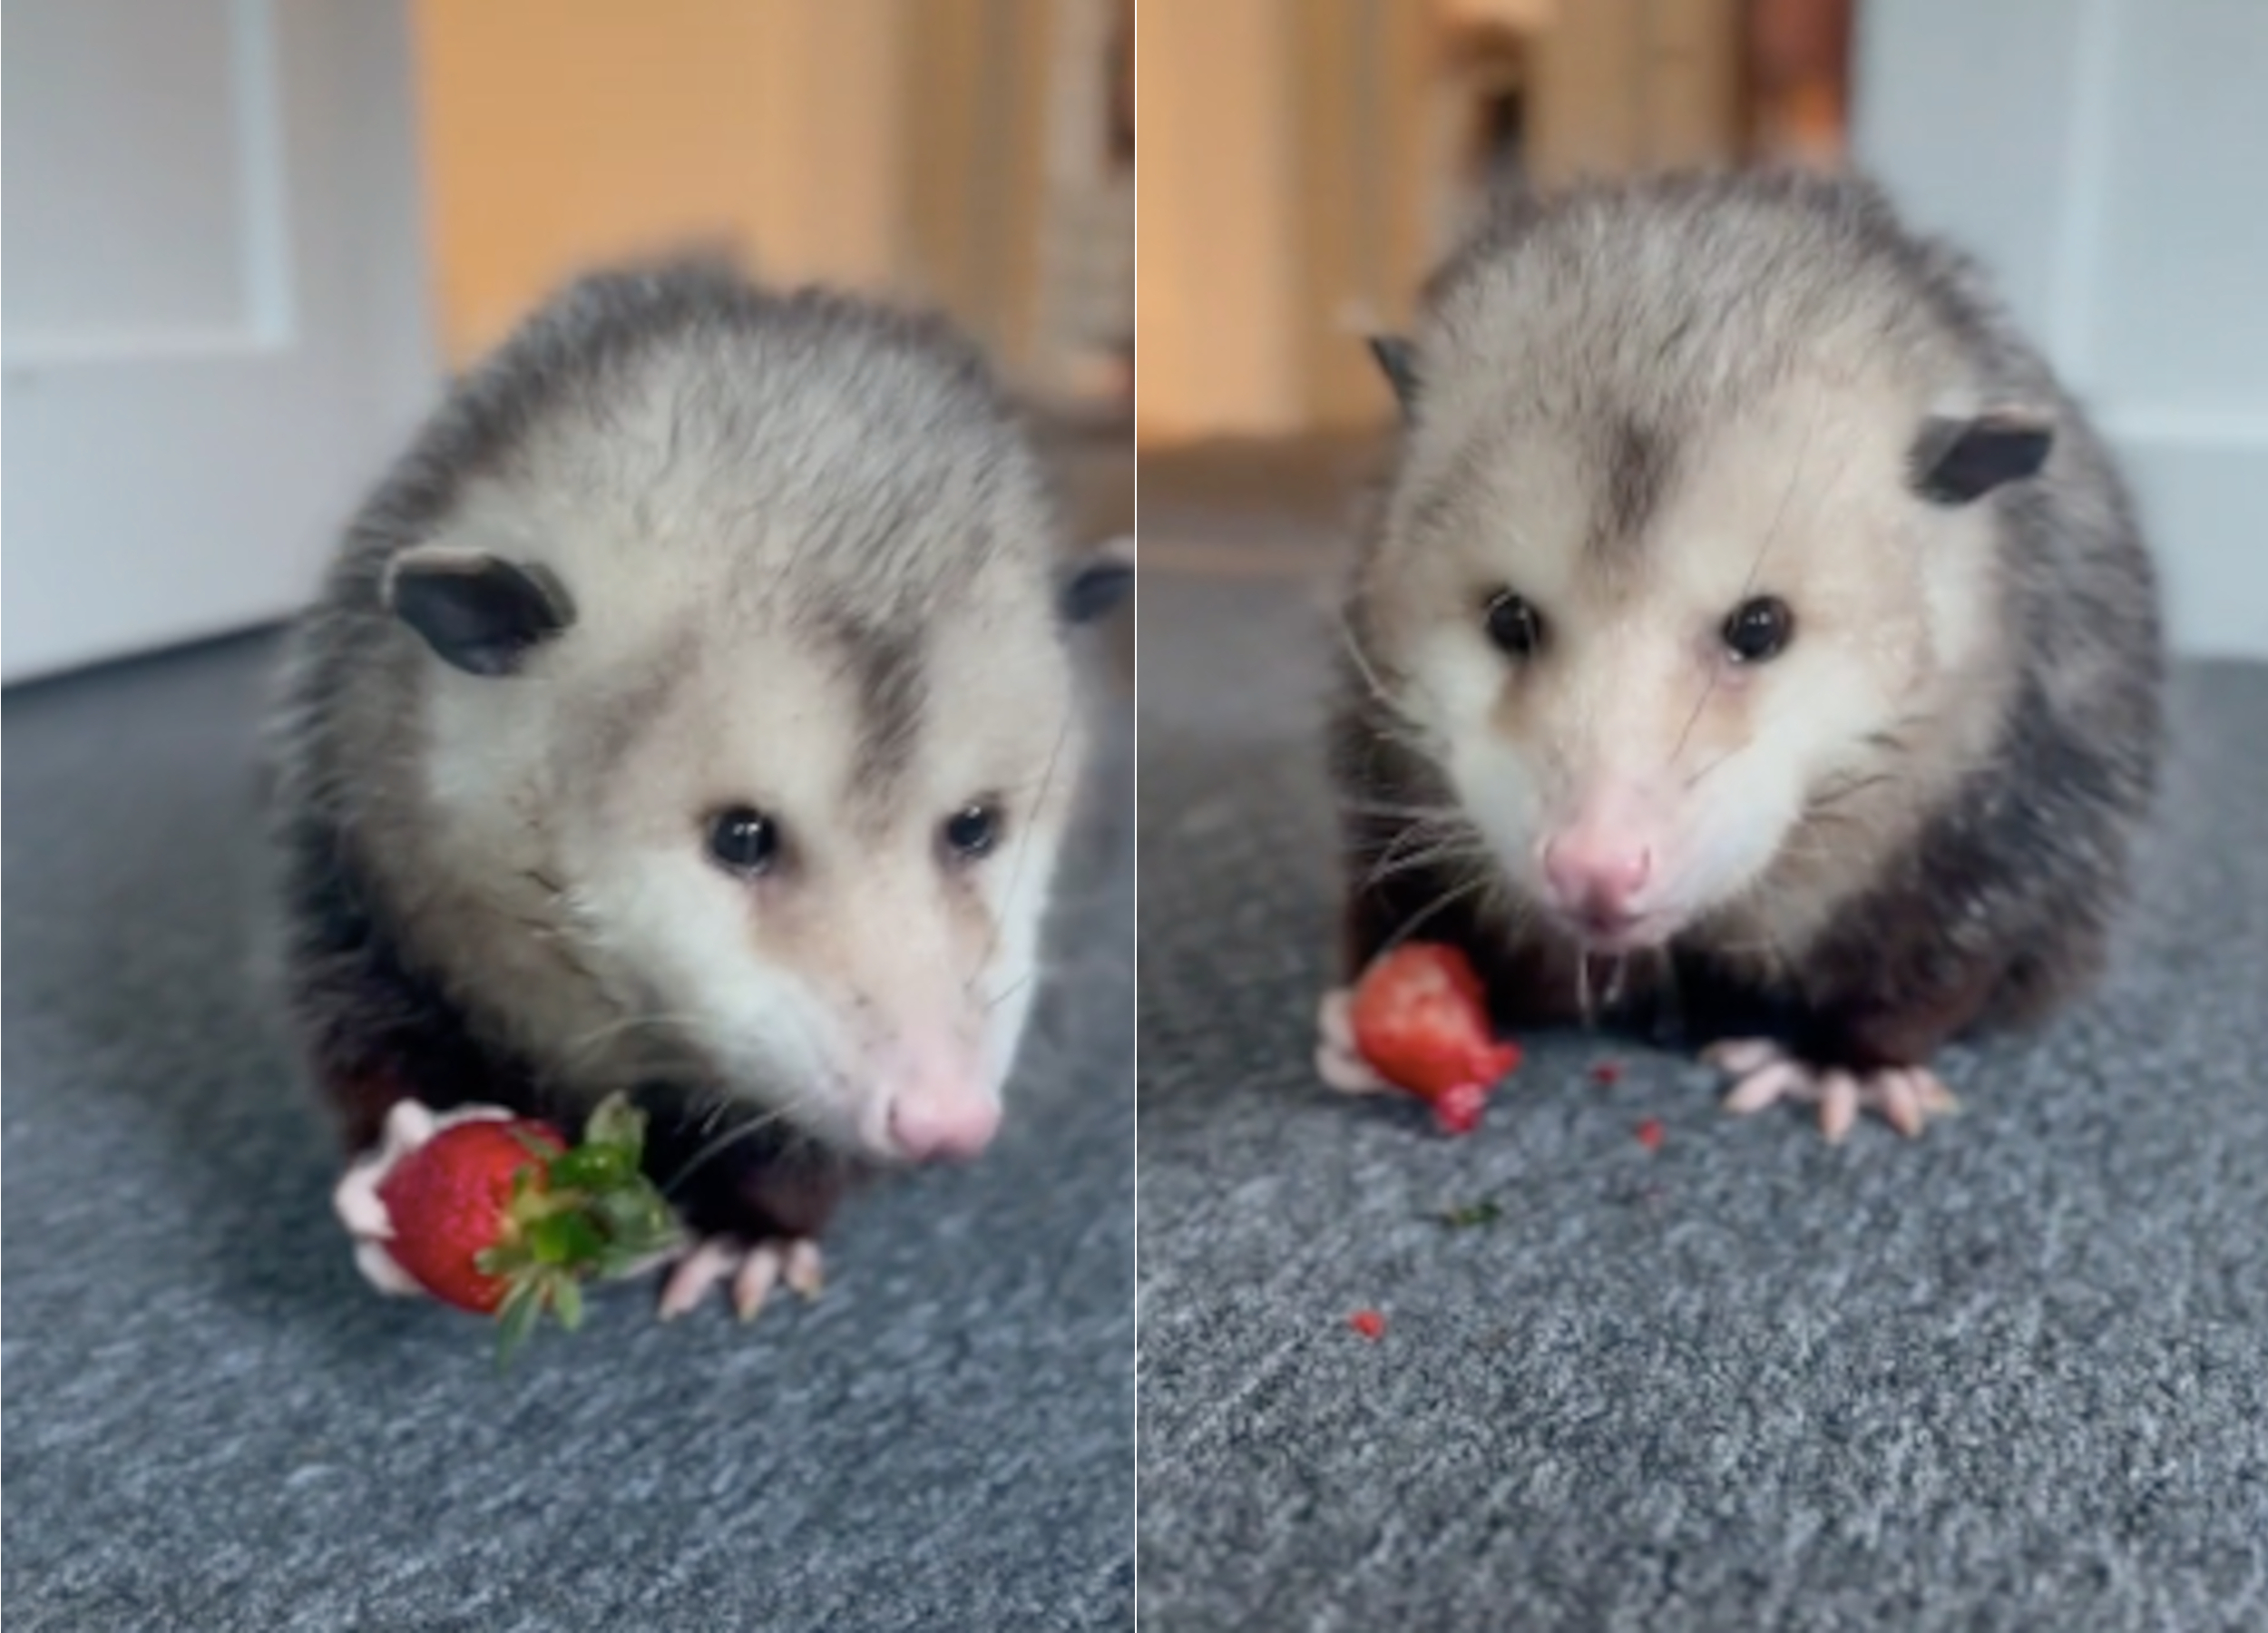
pixel 477 611
pixel 1090 587
pixel 1397 360
pixel 1958 460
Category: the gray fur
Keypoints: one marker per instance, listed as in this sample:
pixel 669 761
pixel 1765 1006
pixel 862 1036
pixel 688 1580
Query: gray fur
pixel 1633 316
pixel 1623 320
pixel 886 658
pixel 1638 468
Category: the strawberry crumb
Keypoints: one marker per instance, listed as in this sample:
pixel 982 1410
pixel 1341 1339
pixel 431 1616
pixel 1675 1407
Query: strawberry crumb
pixel 1650 1133
pixel 1458 1109
pixel 1369 1322
pixel 1607 1073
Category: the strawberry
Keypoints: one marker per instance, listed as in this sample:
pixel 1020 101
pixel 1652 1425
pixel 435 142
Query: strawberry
pixel 451 1199
pixel 1420 1018
pixel 500 1216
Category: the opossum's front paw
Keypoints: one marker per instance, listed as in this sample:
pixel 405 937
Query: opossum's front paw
pixel 1764 1074
pixel 1337 1062
pixel 356 1200
pixel 752 1269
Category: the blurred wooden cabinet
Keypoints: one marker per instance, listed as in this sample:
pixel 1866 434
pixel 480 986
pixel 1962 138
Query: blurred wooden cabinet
pixel 1636 84
pixel 1283 207
pixel 1307 162
pixel 940 150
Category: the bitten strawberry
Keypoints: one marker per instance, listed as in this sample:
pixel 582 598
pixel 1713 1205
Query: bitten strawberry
pixel 500 1216
pixel 1420 1018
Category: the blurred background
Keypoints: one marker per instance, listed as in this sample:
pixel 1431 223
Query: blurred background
pixel 246 241
pixel 1305 162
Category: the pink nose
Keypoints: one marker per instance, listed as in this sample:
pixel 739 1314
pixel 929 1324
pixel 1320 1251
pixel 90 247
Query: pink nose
pixel 1598 877
pixel 926 1126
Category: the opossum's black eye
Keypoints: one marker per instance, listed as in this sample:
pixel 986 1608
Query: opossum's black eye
pixel 1514 625
pixel 743 841
pixel 1759 629
pixel 971 832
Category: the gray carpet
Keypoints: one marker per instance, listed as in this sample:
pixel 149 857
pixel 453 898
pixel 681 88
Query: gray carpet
pixel 212 1424
pixel 2014 1375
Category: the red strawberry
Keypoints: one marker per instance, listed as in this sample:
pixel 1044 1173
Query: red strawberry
pixel 1420 1018
pixel 500 1216
pixel 450 1200
pixel 1369 1322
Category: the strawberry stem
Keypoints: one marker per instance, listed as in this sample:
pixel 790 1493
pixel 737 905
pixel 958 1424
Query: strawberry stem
pixel 588 1211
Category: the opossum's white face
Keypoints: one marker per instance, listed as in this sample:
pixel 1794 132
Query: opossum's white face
pixel 1668 683
pixel 840 913
pixel 808 858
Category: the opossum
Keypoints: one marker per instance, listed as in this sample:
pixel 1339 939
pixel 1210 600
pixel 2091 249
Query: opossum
pixel 1753 644
pixel 691 711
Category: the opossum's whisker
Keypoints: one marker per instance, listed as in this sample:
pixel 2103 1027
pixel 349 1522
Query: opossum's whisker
pixel 1398 730
pixel 1755 567
pixel 1007 992
pixel 1409 928
pixel 1694 719
pixel 1795 476
pixel 1381 807
pixel 1423 831
pixel 1835 795
pixel 723 1142
pixel 584 1043
pixel 1362 661
pixel 1441 841
pixel 769 1119
pixel 1395 725
pixel 1892 739
pixel 1694 781
pixel 716 1114
pixel 1015 874
pixel 1761 946
pixel 1417 861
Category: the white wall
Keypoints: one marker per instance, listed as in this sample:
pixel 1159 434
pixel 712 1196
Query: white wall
pixel 2109 158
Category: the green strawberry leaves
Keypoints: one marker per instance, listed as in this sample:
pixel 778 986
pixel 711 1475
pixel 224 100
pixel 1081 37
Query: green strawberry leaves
pixel 584 1213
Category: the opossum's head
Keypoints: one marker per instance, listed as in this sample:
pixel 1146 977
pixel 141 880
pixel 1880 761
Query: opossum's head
pixel 777 730
pixel 1690 580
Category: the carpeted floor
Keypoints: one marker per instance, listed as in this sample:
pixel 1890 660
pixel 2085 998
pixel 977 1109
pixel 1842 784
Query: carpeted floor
pixel 212 1424
pixel 2014 1375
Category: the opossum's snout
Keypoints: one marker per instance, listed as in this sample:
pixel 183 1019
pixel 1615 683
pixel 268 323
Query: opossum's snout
pixel 1613 868
pixel 885 1038
pixel 930 1101
pixel 1598 878
pixel 908 1021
